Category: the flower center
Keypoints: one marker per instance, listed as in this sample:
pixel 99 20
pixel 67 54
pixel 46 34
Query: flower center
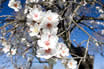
pixel 49 18
pixel 15 5
pixel 47 43
pixel 63 51
pixel 71 63
pixel 48 50
pixel 49 25
pixel 36 15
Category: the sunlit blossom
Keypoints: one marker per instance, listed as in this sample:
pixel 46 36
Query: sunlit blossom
pixel 51 17
pixel 63 50
pixel 46 53
pixel 72 64
pixel 48 41
pixel 16 5
pixel 35 14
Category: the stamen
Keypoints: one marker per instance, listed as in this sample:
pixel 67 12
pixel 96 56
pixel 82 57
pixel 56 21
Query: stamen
pixel 36 15
pixel 49 25
pixel 48 50
pixel 15 5
pixel 47 43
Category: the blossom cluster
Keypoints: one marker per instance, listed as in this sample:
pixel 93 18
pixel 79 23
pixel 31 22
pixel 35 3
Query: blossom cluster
pixel 43 24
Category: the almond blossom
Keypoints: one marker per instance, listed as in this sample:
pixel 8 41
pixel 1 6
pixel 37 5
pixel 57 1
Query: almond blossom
pixel 16 5
pixel 63 50
pixel 50 18
pixel 46 53
pixel 35 14
pixel 48 41
pixel 49 23
pixel 72 64
pixel 12 52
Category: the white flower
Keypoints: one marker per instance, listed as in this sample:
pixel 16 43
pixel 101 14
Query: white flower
pixel 101 11
pixel 72 64
pixel 97 7
pixel 12 52
pixel 6 49
pixel 46 53
pixel 35 14
pixel 49 23
pixel 34 30
pixel 83 3
pixel 48 41
pixel 63 50
pixel 14 5
pixel 51 17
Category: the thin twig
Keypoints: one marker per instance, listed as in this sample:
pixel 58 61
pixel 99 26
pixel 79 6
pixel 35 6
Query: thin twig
pixel 86 48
